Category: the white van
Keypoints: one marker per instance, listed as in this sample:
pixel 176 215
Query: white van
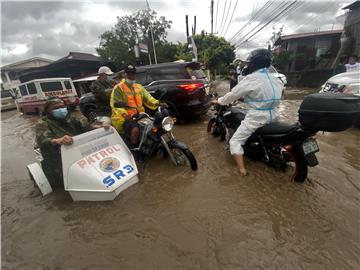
pixel 33 94
pixel 7 100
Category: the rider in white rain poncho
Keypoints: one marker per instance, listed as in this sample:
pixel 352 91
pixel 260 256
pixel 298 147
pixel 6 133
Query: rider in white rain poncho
pixel 262 92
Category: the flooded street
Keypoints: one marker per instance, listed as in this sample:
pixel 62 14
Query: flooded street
pixel 175 218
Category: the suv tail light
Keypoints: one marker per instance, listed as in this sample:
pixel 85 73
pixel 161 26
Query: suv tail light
pixel 190 86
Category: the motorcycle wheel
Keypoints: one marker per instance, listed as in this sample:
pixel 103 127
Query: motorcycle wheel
pixel 184 157
pixel 301 167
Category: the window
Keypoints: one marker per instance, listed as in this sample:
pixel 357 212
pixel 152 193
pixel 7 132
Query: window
pixel 5 94
pixel 67 85
pixel 31 88
pixel 197 73
pixel 167 74
pixel 23 90
pixel 51 86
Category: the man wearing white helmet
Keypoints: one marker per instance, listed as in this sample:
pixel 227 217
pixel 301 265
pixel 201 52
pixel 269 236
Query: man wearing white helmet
pixel 99 87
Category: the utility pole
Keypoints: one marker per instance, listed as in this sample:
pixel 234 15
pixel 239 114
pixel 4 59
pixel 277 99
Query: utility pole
pixel 194 29
pixel 212 16
pixel 152 34
pixel 187 25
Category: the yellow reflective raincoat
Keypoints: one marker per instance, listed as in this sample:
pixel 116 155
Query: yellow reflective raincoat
pixel 132 98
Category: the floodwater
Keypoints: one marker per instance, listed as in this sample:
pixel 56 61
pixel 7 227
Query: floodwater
pixel 178 219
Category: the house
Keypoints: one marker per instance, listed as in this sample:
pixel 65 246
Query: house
pixel 10 72
pixel 310 51
pixel 74 65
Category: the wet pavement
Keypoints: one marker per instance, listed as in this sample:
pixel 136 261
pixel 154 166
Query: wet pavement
pixel 178 219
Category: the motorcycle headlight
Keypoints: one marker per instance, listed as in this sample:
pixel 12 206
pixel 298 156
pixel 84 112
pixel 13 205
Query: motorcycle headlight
pixel 167 123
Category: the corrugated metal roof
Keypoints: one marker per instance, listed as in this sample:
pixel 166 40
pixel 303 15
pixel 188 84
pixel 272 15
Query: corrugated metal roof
pixel 353 6
pixel 308 35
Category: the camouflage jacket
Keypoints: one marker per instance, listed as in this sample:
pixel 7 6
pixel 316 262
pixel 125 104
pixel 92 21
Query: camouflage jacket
pixel 48 129
pixel 102 97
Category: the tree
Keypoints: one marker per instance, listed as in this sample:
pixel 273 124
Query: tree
pixel 215 52
pixel 282 60
pixel 117 45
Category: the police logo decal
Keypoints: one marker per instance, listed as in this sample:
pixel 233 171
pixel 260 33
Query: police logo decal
pixel 109 164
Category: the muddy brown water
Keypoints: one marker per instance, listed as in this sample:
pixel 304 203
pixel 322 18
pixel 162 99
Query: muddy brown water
pixel 178 219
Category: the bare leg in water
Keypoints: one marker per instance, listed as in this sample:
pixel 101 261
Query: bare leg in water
pixel 239 159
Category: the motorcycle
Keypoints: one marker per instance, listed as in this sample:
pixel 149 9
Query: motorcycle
pixel 276 144
pixel 156 138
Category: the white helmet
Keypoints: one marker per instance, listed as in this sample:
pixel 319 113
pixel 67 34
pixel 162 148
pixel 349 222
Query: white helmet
pixel 105 70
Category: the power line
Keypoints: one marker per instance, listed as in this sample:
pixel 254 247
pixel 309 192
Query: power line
pixel 232 15
pixel 222 18
pixel 274 18
pixel 295 7
pixel 263 8
pixel 267 17
pixel 227 16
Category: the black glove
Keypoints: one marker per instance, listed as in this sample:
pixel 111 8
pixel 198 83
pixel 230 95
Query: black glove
pixel 163 105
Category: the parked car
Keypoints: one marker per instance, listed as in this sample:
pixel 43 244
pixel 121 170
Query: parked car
pixel 33 94
pixel 347 82
pixel 187 88
pixel 7 100
pixel 272 70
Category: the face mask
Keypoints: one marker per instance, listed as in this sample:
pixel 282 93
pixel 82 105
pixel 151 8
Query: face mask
pixel 60 113
pixel 130 81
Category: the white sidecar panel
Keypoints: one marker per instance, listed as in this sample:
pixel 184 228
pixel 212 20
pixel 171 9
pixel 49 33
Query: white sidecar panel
pixel 37 174
pixel 98 166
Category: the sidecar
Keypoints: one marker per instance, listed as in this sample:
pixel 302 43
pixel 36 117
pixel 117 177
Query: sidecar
pixel 96 167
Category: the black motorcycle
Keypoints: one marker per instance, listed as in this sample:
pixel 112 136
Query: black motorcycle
pixel 156 138
pixel 276 144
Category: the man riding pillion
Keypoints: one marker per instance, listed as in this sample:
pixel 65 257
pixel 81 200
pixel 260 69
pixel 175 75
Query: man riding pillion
pixel 99 87
pixel 127 100
pixel 262 91
pixel 56 128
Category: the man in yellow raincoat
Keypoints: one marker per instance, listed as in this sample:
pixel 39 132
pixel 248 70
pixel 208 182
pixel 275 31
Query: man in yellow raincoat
pixel 127 100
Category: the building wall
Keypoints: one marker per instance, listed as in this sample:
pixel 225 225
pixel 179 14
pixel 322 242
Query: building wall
pixel 352 29
pixel 313 53
pixel 9 72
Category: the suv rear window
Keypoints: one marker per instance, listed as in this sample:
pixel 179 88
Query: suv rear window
pixel 5 94
pixel 51 86
pixel 167 74
pixel 197 73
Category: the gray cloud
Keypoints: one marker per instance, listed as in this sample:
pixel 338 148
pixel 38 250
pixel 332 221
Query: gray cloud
pixel 52 29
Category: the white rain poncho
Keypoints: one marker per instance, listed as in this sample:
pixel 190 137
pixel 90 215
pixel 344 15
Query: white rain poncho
pixel 262 92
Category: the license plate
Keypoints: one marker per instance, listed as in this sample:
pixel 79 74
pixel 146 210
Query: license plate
pixel 310 147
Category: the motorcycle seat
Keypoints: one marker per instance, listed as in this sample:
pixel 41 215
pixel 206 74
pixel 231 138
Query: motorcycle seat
pixel 275 128
pixel 236 110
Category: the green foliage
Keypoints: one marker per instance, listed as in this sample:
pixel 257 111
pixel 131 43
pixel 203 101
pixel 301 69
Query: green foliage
pixel 215 52
pixel 282 60
pixel 117 45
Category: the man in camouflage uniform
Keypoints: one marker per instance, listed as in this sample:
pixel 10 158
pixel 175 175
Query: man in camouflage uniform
pixel 56 128
pixel 99 87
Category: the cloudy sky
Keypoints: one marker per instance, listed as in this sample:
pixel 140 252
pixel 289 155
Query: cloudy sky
pixel 52 29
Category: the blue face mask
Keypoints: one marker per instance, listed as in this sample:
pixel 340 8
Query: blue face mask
pixel 60 113
pixel 130 81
